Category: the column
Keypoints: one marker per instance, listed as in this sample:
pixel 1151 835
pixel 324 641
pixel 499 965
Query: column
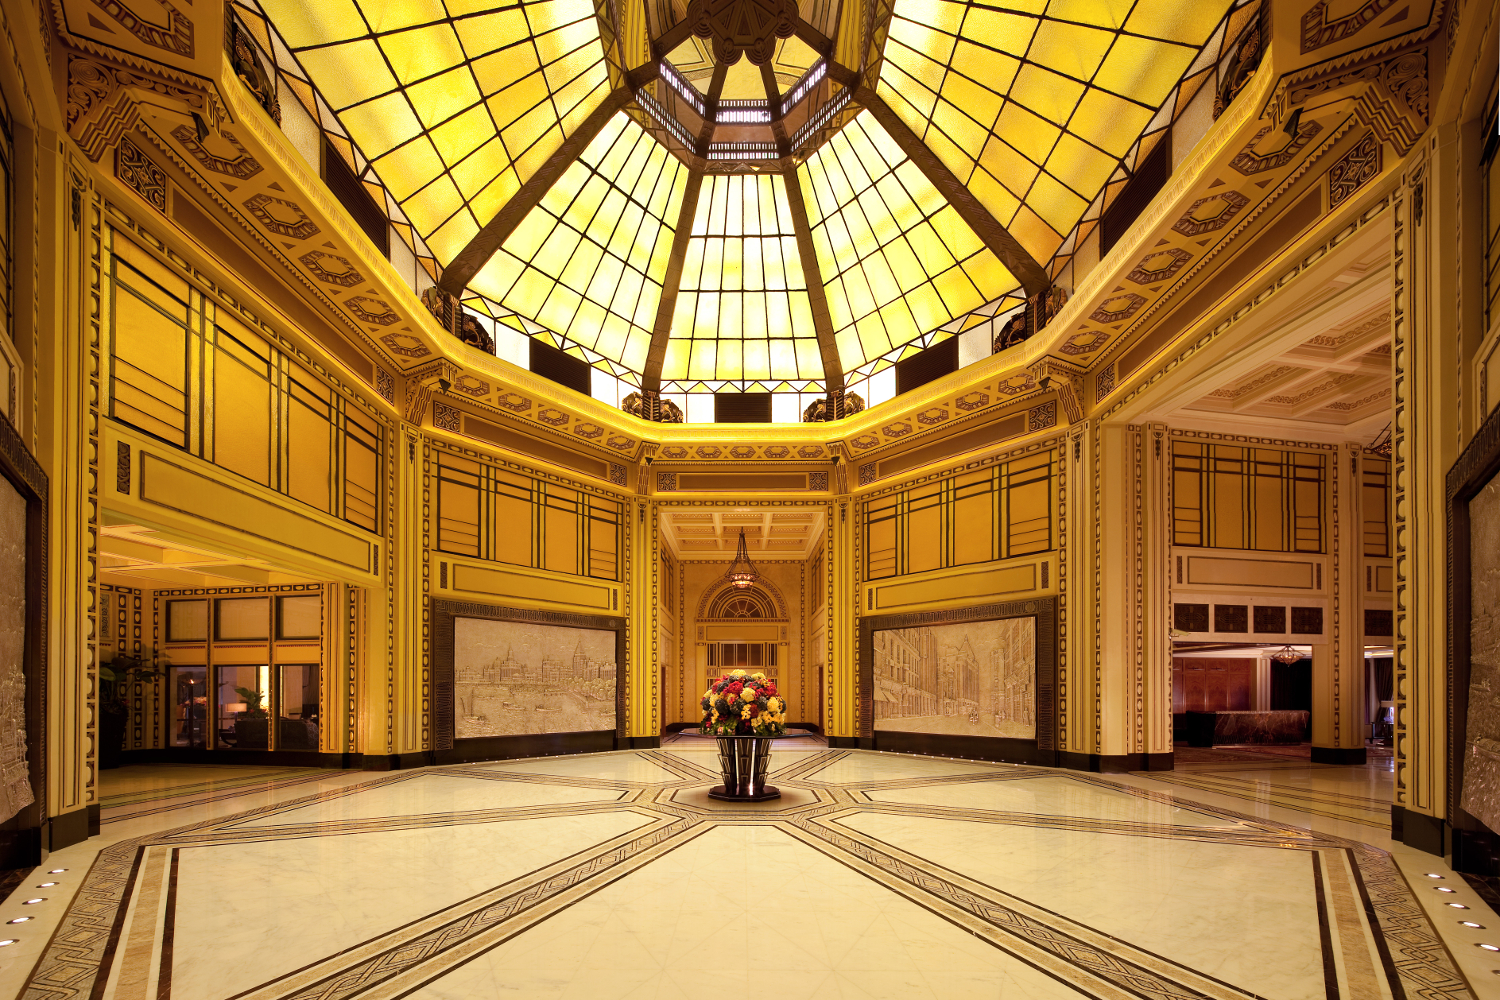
pixel 1424 445
pixel 1339 663
pixel 841 693
pixel 639 602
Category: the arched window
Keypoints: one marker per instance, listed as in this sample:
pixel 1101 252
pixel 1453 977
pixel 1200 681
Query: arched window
pixel 750 603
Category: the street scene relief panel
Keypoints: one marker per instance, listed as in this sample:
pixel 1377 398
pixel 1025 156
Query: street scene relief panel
pixel 967 679
pixel 524 678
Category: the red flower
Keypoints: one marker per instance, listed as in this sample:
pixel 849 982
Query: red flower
pixel 736 687
pixel 769 690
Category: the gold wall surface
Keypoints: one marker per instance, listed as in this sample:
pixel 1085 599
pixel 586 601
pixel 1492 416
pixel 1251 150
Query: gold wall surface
pixel 179 364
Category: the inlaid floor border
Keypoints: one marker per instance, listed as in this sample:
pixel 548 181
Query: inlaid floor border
pixel 1362 895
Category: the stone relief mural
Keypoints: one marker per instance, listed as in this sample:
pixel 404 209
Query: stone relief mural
pixel 1481 777
pixel 524 678
pixel 15 785
pixel 967 679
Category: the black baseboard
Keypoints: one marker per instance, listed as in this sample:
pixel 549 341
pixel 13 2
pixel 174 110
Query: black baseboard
pixel 1338 755
pixel 393 761
pixel 811 727
pixel 276 758
pixel 1476 848
pixel 512 747
pixel 94 820
pixel 68 829
pixel 20 848
pixel 995 748
pixel 637 742
pixel 851 742
pixel 1115 763
pixel 677 727
pixel 1419 830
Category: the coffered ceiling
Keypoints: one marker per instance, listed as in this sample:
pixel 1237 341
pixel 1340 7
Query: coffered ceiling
pixel 713 533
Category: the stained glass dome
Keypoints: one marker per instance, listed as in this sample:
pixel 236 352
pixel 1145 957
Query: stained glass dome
pixel 887 177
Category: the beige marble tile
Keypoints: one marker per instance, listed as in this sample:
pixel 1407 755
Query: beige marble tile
pixel 316 896
pixel 1051 796
pixel 818 929
pixel 626 765
pixel 435 794
pixel 869 765
pixel 1244 915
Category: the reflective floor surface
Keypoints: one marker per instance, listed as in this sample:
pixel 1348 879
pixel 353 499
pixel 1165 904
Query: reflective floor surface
pixel 875 875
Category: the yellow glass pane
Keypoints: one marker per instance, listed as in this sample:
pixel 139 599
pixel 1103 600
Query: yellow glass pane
pixel 519 100
pixel 730 363
pixel 501 69
pixel 757 363
pixel 933 44
pixel 809 360
pixel 955 233
pixel 1001 30
pixel 497 276
pixel 487 204
pixel 330 69
pixel 557 312
pixel 546 16
pixel 526 130
pixel 409 168
pixel 1142 70
pixel 491 31
pixel 979 103
pixel 579 269
pixel 475 171
pixel 1070 48
pixel 442 97
pixel 994 196
pixel 420 52
pixel 381 124
pixel 872 338
pixel 936 13
pixel 994 69
pixel 431 206
pixel 1108 122
pixel 1109 13
pixel 908 98
pixel 1052 96
pixel 966 133
pixel 452 237
pixel 392 16
pixel 1190 23
pixel 851 351
pixel 1060 207
pixel 1024 131
pixel 302 23
pixel 1079 165
pixel 957 291
pixel 675 360
pixel 462 135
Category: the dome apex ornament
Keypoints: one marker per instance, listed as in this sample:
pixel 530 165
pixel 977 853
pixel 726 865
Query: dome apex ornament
pixel 743 27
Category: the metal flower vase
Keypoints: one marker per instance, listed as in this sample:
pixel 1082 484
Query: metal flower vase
pixel 744 761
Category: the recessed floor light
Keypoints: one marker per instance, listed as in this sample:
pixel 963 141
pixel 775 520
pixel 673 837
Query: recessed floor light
pixel 45 885
pixel 57 871
pixel 1444 888
pixel 38 899
pixel 1458 906
pixel 1470 923
pixel 18 920
pixel 1489 947
pixel 8 941
pixel 1435 875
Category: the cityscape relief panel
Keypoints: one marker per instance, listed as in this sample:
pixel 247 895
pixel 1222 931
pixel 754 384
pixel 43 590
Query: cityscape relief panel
pixel 524 678
pixel 967 679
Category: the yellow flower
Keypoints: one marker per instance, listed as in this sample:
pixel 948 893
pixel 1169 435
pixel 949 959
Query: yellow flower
pixel 758 677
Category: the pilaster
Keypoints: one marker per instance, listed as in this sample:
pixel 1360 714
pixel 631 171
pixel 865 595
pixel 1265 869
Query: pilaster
pixel 1424 444
pixel 1338 731
pixel 841 684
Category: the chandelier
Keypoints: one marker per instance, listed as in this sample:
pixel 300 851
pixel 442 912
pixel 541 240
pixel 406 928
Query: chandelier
pixel 741 573
pixel 1286 654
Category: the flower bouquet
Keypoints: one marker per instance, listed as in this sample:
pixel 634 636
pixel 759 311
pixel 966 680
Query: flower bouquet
pixel 743 704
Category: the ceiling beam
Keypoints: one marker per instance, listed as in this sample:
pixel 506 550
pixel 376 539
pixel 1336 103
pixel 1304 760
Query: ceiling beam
pixel 711 107
pixel 473 257
pixel 773 99
pixel 671 38
pixel 833 369
pixel 815 39
pixel 1027 271
pixel 667 307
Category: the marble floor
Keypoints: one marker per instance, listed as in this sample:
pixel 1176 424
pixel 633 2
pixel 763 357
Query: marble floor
pixel 875 875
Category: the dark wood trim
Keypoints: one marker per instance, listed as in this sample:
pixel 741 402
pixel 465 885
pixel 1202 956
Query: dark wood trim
pixel 1043 609
pixel 670 39
pixel 473 257
pixel 22 835
pixel 1008 751
pixel 68 829
pixel 1015 257
pixel 661 330
pixel 1419 830
pixel 833 369
pixel 444 744
pixel 1472 472
pixel 815 39
pixel 1338 755
pixel 711 106
pixel 512 747
pixel 1114 763
pixel 228 755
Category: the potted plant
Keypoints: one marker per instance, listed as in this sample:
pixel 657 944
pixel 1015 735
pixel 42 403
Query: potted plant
pixel 115 679
pixel 745 714
pixel 252 724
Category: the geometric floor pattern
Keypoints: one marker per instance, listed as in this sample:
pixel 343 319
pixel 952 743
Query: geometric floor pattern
pixel 614 875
